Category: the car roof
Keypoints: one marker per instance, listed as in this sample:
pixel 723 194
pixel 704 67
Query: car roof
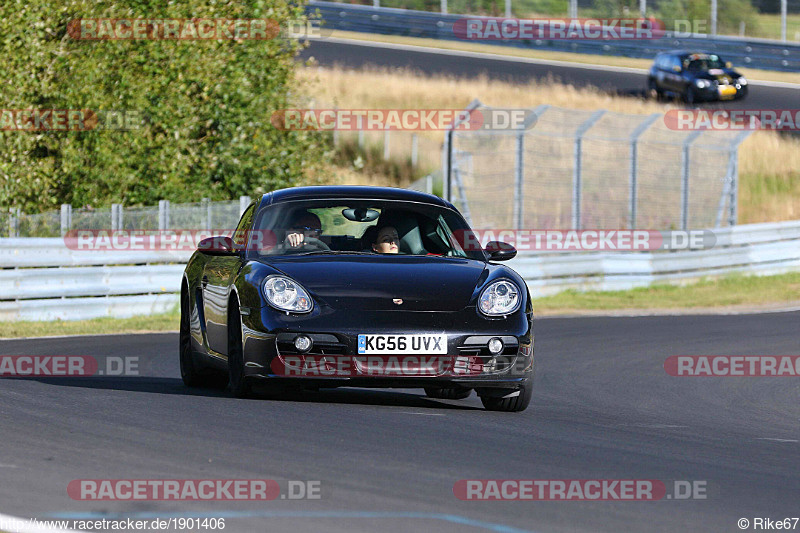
pixel 316 192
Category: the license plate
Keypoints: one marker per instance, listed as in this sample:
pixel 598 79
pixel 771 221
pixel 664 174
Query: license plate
pixel 402 344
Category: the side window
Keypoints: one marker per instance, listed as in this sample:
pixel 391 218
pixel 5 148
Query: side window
pixel 240 235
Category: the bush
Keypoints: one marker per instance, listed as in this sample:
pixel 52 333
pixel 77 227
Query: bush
pixel 207 105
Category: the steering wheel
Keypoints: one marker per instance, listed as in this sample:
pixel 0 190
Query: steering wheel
pixel 314 245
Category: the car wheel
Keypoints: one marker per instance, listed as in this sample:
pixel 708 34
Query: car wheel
pixel 691 96
pixel 449 393
pixel 514 404
pixel 190 373
pixel 652 90
pixel 238 385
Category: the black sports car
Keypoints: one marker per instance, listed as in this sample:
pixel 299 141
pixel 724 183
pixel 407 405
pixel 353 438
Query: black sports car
pixel 695 77
pixel 357 286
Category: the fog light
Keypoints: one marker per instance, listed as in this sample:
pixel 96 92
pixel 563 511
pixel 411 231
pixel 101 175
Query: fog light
pixel 302 343
pixel 495 346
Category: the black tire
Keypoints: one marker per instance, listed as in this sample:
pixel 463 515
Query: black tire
pixel 190 373
pixel 653 91
pixel 450 393
pixel 691 95
pixel 238 385
pixel 511 405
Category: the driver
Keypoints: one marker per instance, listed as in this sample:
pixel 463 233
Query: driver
pixel 305 226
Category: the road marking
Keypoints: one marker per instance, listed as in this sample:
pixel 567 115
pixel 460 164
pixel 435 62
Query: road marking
pixel 423 414
pixel 516 59
pixel 8 466
pixel 777 440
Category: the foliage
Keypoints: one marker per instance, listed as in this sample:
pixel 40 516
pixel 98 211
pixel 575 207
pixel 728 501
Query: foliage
pixel 206 106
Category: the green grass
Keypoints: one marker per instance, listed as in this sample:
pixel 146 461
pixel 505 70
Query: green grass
pixel 138 324
pixel 721 294
pixel 769 27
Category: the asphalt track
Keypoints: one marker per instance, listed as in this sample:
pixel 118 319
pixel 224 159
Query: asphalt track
pixel 603 408
pixel 624 82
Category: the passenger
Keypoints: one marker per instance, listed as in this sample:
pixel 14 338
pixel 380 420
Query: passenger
pixel 386 241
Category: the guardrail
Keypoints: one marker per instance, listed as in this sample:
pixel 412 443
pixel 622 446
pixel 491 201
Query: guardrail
pixel 756 53
pixel 42 279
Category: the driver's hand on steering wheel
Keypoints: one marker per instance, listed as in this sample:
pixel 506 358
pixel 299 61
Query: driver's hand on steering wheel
pixel 297 236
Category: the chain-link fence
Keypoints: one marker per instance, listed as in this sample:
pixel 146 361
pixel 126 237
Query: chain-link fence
pixel 593 169
pixel 200 215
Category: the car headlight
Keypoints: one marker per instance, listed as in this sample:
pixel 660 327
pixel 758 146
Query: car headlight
pixel 499 298
pixel 742 81
pixel 287 295
pixel 702 83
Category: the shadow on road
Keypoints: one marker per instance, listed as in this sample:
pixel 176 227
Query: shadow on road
pixel 175 386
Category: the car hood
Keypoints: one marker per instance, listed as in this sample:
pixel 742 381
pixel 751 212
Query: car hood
pixel 374 282
pixel 718 74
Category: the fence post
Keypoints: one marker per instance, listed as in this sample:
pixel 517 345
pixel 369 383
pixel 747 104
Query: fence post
pixel 685 164
pixel 633 191
pixel 448 188
pixel 444 7
pixel 206 206
pixel 13 222
pixel 360 136
pixel 116 217
pixel 733 215
pixel 414 149
pixel 576 172
pixel 386 145
pixel 66 218
pixel 163 215
pixel 244 201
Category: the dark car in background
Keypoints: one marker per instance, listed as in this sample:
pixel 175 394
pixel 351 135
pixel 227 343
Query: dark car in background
pixel 695 77
pixel 330 311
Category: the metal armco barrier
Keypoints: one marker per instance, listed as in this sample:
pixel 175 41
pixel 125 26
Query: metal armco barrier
pixel 122 284
pixel 756 53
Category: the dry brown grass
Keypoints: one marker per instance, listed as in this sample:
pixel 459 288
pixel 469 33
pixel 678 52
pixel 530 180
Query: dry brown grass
pixel 769 164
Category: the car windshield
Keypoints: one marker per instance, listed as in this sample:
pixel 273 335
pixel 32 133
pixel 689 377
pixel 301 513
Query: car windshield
pixel 375 227
pixel 703 63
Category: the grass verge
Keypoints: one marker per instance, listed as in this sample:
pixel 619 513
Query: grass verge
pixel 728 293
pixel 95 326
pixel 611 61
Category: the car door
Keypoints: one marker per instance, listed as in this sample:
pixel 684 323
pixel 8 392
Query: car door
pixel 218 275
pixel 674 77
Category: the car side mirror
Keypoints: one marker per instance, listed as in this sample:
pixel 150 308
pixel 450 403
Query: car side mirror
pixel 500 251
pixel 217 245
